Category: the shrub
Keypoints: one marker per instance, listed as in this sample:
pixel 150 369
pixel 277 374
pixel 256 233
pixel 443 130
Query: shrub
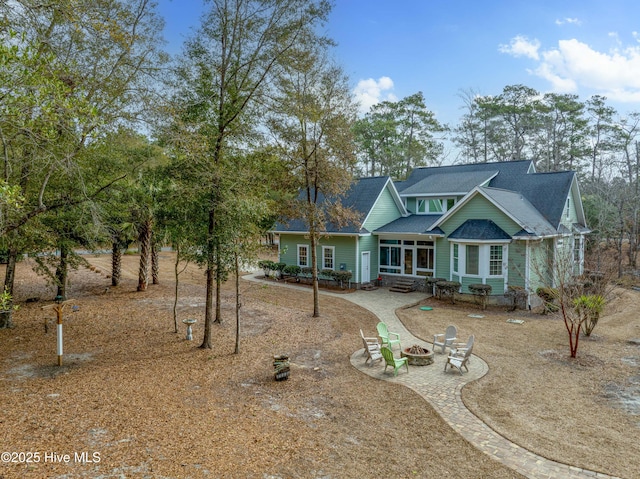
pixel 267 266
pixel 327 273
pixel 480 292
pixel 292 270
pixel 279 267
pixel 548 296
pixel 517 294
pixel 448 288
pixel 589 308
pixel 342 276
pixel 307 271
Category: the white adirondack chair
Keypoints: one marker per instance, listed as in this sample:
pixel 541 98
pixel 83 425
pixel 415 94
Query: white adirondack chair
pixel 459 357
pixel 446 339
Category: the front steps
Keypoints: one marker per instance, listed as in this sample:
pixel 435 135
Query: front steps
pixel 403 286
pixel 368 287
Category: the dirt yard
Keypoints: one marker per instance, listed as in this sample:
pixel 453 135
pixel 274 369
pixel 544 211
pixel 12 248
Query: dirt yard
pixel 141 401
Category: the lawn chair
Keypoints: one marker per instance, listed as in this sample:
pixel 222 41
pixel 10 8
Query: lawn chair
pixel 459 357
pixel 395 363
pixel 386 336
pixel 371 349
pixel 446 339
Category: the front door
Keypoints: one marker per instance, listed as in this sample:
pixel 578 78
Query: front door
pixel 365 267
pixel 408 261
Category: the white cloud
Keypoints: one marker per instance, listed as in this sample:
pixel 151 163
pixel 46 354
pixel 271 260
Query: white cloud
pixel 521 46
pixel 574 64
pixel 571 21
pixel 369 92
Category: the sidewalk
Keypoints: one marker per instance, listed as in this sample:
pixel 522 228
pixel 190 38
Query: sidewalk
pixel 443 390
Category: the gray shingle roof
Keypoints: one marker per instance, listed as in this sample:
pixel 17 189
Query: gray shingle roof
pixel 360 197
pixel 416 224
pixel 547 192
pixel 479 230
pixel 521 209
pixel 451 183
pixel 508 171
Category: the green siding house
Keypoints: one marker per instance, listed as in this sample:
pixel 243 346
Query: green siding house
pixel 501 224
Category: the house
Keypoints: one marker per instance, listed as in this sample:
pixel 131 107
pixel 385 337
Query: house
pixel 501 224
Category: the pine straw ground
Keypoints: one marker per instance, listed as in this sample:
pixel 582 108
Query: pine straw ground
pixel 154 405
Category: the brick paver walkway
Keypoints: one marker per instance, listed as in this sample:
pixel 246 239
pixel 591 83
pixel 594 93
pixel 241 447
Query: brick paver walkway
pixel 443 391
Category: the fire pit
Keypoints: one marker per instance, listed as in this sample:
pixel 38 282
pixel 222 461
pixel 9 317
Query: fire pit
pixel 417 355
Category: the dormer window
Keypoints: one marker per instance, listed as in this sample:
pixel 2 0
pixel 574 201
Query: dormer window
pixel 568 208
pixel 437 205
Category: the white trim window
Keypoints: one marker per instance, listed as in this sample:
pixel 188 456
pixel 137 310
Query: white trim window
pixel 303 255
pixel 328 257
pixel 478 260
pixel 472 260
pixel 434 205
pixel 456 258
pixel 495 259
pixel 390 257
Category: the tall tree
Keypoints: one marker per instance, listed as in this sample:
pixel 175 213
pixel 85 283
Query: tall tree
pixel 471 135
pixel 312 121
pixel 601 124
pixel 220 83
pixel 559 139
pixel 417 127
pixel 395 137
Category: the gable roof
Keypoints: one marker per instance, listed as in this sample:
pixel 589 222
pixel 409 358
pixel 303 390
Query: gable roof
pixel 547 192
pixel 521 210
pixel 360 197
pixel 513 205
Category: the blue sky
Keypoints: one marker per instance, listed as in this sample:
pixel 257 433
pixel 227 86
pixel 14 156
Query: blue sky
pixel 394 48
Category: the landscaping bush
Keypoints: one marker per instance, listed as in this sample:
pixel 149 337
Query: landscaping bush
pixel 307 271
pixel 292 270
pixel 517 294
pixel 589 308
pixel 267 266
pixel 480 293
pixel 342 277
pixel 279 267
pixel 548 296
pixel 448 288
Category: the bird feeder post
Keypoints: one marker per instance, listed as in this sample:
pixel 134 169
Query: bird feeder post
pixel 58 307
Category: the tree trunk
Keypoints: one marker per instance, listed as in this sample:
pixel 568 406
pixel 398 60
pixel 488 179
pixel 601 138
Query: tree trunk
pixel 62 272
pixel 218 319
pixel 116 263
pixel 175 297
pixel 314 276
pixel 573 328
pixel 155 261
pixel 208 316
pixel 238 304
pixel 144 242
pixel 6 320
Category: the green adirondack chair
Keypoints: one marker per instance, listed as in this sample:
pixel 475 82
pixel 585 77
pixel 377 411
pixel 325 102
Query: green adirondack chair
pixel 386 336
pixel 395 363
